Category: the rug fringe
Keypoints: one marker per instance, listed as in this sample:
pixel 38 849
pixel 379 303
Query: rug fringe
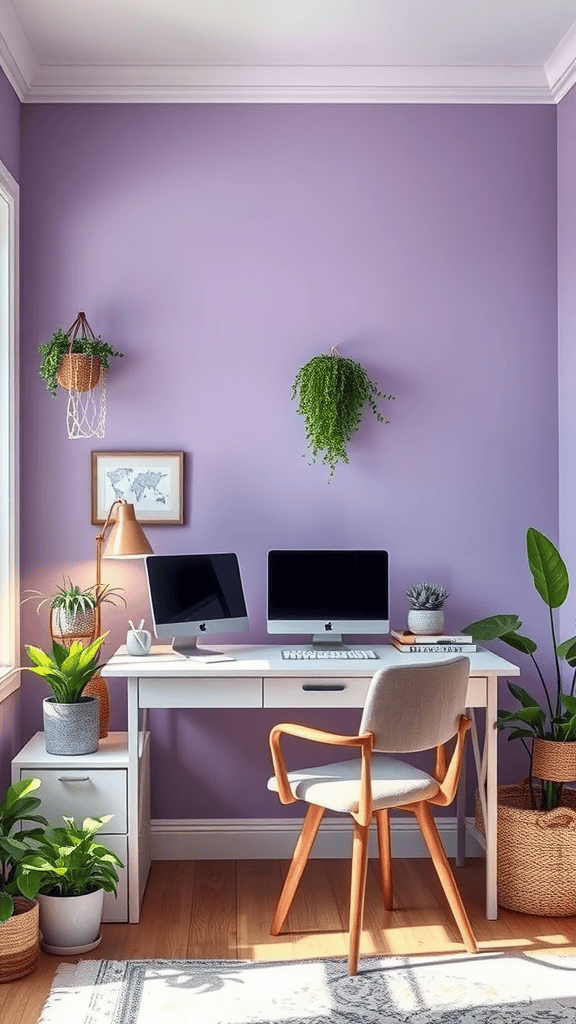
pixel 67 976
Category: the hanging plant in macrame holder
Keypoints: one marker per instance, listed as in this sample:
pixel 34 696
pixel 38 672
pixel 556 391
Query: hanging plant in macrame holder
pixel 77 361
pixel 332 392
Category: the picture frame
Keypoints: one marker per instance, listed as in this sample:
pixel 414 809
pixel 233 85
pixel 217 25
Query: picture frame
pixel 157 498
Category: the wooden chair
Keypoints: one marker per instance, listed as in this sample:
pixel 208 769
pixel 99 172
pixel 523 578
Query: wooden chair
pixel 408 708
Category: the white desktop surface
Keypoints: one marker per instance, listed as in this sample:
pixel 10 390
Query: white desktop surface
pixel 260 678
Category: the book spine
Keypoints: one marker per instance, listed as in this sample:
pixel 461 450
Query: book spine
pixel 444 638
pixel 436 648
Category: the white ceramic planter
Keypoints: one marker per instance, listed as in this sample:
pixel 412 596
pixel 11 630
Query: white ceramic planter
pixel 426 621
pixel 70 923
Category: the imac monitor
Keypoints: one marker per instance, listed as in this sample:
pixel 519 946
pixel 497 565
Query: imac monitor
pixel 328 593
pixel 195 595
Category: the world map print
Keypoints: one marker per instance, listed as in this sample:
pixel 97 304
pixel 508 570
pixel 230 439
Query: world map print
pixel 146 489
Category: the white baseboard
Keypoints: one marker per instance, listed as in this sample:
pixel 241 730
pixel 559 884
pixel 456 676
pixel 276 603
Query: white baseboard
pixel 271 838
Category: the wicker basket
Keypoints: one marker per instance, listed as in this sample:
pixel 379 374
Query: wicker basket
pixel 19 940
pixel 79 372
pixel 536 853
pixel 98 687
pixel 554 760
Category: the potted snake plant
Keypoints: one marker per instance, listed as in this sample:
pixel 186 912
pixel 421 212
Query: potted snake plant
pixel 71 719
pixel 537 817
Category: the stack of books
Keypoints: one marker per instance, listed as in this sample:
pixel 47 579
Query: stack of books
pixel 445 643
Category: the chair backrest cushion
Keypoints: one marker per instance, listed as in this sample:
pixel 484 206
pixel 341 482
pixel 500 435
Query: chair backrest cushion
pixel 415 707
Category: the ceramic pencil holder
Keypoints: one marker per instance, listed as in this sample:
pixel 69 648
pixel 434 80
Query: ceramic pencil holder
pixel 138 642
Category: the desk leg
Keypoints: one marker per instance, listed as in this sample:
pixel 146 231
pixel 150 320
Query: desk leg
pixel 491 817
pixel 461 817
pixel 133 803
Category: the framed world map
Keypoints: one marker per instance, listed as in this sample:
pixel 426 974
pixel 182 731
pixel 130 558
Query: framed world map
pixel 151 481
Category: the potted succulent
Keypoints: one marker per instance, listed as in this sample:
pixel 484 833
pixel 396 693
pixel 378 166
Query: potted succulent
pixel 426 613
pixel 71 720
pixel 69 872
pixel 18 914
pixel 74 359
pixel 537 820
pixel 72 608
pixel 332 392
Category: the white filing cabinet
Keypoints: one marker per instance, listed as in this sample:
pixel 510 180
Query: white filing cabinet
pixel 92 785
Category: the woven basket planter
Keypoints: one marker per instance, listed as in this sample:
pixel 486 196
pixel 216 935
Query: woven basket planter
pixel 553 760
pixel 536 853
pixel 65 628
pixel 79 372
pixel 19 940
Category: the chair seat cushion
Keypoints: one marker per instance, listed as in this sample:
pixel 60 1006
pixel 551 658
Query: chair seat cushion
pixel 337 786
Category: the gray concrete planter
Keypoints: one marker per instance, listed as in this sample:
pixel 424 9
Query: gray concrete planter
pixel 71 729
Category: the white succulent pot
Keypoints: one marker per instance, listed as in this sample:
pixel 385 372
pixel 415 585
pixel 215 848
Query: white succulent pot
pixel 426 620
pixel 70 922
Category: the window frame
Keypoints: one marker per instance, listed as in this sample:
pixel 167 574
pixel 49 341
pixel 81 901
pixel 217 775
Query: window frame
pixel 9 442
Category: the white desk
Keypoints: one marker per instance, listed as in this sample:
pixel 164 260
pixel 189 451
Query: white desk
pixel 260 678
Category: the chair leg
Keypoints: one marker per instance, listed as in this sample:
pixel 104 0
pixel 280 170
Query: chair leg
pixel 385 857
pixel 357 892
pixel 440 860
pixel 305 842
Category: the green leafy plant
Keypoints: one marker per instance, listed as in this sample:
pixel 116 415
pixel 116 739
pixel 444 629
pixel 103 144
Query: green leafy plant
pixel 555 717
pixel 67 671
pixel 332 392
pixel 426 596
pixel 73 599
pixel 54 350
pixel 16 807
pixel 68 861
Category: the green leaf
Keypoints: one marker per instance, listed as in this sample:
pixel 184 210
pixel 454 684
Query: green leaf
pixel 567 650
pixel 519 642
pixel 569 702
pixel 493 627
pixel 548 569
pixel 6 907
pixel 526 699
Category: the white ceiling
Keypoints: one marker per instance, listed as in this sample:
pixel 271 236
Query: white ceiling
pixel 447 51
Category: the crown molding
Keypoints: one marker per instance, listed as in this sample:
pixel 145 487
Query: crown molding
pixel 560 68
pixel 16 58
pixel 288 84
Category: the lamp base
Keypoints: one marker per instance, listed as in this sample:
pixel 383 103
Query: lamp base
pixel 98 687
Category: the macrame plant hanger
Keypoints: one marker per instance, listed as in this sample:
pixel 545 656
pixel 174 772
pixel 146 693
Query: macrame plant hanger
pixel 84 378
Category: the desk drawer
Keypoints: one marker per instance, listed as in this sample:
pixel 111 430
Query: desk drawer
pixel 200 692
pixel 320 692
pixel 81 793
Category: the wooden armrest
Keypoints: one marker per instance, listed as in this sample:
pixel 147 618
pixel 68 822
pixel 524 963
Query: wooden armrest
pixel 449 776
pixel 305 732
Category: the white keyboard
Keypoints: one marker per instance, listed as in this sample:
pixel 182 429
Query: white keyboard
pixel 308 655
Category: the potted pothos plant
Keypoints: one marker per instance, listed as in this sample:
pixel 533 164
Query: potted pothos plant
pixel 18 913
pixel 537 820
pixel 71 720
pixel 69 871
pixel 74 359
pixel 332 392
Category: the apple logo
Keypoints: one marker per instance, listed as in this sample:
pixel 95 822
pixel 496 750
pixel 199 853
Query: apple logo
pixel 328 626
pixel 202 627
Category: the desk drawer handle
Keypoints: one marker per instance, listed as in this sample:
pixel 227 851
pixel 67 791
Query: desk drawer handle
pixel 74 778
pixel 321 687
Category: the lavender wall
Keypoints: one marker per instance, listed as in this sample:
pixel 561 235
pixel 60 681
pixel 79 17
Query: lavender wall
pixel 220 247
pixel 566 333
pixel 10 157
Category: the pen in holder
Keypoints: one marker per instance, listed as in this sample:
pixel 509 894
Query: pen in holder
pixel 138 641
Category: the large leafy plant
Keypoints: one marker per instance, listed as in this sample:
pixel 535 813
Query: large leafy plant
pixel 17 807
pixel 332 392
pixel 54 350
pixel 554 717
pixel 67 671
pixel 68 861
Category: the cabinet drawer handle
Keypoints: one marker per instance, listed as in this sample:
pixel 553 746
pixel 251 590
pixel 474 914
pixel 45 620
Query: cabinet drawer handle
pixel 322 687
pixel 74 778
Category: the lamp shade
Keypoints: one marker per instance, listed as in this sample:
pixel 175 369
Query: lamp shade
pixel 127 538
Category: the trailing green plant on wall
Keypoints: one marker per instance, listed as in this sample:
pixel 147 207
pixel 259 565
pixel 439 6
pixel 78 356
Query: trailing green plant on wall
pixel 54 351
pixel 332 392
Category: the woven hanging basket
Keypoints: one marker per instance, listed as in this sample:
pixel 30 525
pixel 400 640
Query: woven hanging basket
pixel 19 940
pixel 536 853
pixel 65 628
pixel 554 760
pixel 79 372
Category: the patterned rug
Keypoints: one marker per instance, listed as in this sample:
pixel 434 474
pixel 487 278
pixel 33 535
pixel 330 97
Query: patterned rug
pixel 484 989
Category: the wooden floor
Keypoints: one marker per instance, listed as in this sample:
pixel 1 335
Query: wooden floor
pixel 223 909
